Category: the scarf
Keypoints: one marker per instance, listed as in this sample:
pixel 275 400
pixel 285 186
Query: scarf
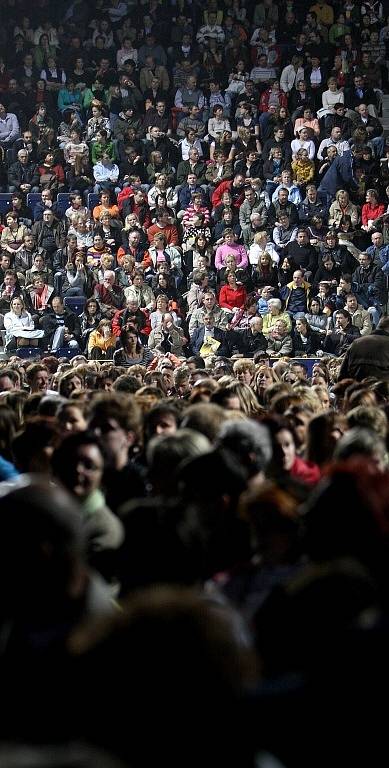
pixel 40 299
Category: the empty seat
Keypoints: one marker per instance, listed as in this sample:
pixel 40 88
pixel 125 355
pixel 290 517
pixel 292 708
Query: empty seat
pixel 93 200
pixel 63 202
pixel 68 352
pixel 5 202
pixel 75 303
pixel 26 352
pixel 32 199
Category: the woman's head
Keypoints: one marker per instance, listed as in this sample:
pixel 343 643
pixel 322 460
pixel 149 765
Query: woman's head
pixel 129 339
pixel 91 307
pixel 17 305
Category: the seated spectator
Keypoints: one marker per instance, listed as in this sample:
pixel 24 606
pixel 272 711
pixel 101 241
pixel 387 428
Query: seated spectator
pixel 74 147
pixel 38 267
pixel 106 174
pixel 338 340
pixel 230 246
pixel 61 327
pixel 13 234
pixel 233 295
pixel 359 317
pixel 252 338
pixel 303 168
pixel 283 233
pixel 195 215
pixel 163 226
pixel 97 123
pixel 39 295
pixel 371 210
pixel 131 351
pixel 106 205
pixel 208 339
pixel 100 145
pixel 262 245
pixel 279 342
pixel 317 320
pixel 217 124
pixel 19 326
pixel 305 341
pixel 158 164
pixel 274 314
pixel 307 121
pixel 162 187
pixel 140 291
pixel 23 176
pixel 303 142
pixel 342 206
pixel 9 128
pixel 109 294
pixel 167 337
pixel 296 293
pixel 51 174
pixel 265 273
pixel 102 342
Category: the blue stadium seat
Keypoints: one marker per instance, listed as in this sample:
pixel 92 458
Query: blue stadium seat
pixel 93 200
pixel 75 303
pixel 68 352
pixel 63 202
pixel 26 352
pixel 5 202
pixel 32 199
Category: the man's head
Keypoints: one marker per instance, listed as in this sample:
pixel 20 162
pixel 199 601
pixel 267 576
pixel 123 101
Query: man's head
pixel 209 320
pixel 58 305
pixel 311 193
pixel 343 319
pixel 283 195
pixel 302 237
pixel 209 301
pixel 249 195
pixel 364 260
pixel 377 239
pixel 48 217
pixel 23 156
pixel 298 278
pixel 336 133
pixel 351 302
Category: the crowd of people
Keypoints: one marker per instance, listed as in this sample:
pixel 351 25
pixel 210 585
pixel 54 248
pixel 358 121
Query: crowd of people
pixel 236 153
pixel 194 383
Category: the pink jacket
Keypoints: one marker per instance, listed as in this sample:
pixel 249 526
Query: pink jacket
pixel 239 252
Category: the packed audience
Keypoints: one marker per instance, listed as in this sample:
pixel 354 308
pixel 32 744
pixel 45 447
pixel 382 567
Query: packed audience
pixel 194 397
pixel 235 152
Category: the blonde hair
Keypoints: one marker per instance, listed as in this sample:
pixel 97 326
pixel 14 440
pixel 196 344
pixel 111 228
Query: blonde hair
pixel 259 236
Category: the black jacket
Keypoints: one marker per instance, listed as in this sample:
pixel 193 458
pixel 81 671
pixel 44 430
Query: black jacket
pixel 49 323
pixel 23 174
pixel 310 348
pixel 367 356
pixel 197 341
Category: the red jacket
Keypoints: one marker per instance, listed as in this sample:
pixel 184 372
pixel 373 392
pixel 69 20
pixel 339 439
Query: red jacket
pixel 170 232
pixel 372 213
pixel 230 298
pixel 225 186
pixel 306 471
pixel 264 100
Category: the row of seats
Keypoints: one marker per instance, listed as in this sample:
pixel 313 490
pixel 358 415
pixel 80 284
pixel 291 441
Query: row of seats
pixel 34 352
pixel 63 201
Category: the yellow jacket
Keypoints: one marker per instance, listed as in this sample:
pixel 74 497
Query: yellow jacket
pixel 303 172
pixel 96 339
pixel 270 320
